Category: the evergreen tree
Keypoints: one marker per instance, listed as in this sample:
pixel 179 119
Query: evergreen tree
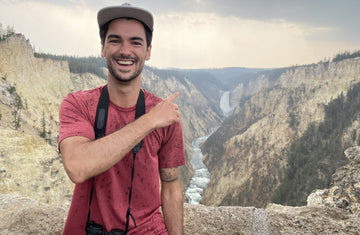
pixel 43 126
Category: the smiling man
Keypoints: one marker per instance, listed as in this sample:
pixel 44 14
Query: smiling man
pixel 117 187
pixel 125 63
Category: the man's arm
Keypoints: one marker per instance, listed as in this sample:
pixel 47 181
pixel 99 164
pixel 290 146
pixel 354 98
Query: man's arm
pixel 84 159
pixel 172 201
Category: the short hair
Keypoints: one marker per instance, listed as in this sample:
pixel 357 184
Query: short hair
pixel 104 29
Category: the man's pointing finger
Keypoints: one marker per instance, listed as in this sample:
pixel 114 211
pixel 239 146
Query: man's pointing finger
pixel 172 97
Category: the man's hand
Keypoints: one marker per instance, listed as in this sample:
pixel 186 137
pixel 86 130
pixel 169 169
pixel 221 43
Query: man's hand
pixel 165 113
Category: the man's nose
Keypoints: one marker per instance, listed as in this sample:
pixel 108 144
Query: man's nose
pixel 125 48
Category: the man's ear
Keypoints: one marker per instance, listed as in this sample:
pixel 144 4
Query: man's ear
pixel 148 53
pixel 102 49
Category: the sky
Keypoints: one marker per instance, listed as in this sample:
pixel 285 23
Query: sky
pixel 194 34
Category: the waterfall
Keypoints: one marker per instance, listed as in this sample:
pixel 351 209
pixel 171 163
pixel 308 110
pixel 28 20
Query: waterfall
pixel 225 104
pixel 201 176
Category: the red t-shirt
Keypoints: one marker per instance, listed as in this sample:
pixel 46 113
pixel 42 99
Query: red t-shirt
pixel 162 148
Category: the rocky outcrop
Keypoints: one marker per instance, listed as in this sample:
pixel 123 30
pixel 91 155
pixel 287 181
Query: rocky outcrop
pixel 247 154
pixel 311 220
pixel 345 187
pixel 21 215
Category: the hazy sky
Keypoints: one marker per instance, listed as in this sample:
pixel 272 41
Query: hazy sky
pixel 200 33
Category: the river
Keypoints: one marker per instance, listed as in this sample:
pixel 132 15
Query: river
pixel 201 176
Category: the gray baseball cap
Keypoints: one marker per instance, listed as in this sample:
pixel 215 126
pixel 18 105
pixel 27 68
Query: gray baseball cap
pixel 125 11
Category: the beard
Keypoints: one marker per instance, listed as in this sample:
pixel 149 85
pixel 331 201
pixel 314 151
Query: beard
pixel 117 73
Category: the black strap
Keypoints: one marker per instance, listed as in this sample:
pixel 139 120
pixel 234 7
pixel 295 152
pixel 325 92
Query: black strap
pixel 140 110
pixel 101 113
pixel 100 127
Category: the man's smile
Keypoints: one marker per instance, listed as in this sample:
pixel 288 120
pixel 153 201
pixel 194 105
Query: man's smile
pixel 126 62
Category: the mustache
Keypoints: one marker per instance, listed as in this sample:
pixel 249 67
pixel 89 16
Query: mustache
pixel 122 57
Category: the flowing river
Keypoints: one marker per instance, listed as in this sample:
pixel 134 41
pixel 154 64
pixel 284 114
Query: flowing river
pixel 201 176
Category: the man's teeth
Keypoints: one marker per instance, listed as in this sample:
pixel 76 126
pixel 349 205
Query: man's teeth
pixel 125 62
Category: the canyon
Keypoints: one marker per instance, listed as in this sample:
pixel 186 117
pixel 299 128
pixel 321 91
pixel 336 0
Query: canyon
pixel 264 112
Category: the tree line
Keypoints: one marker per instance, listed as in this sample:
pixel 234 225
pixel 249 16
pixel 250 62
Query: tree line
pixel 89 64
pixel 6 32
pixel 346 55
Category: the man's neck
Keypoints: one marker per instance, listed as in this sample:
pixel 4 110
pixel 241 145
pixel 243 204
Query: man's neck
pixel 124 94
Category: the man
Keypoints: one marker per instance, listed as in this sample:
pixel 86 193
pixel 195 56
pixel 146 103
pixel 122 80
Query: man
pixel 103 167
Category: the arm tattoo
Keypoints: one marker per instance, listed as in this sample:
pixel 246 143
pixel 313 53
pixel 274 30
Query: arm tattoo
pixel 168 175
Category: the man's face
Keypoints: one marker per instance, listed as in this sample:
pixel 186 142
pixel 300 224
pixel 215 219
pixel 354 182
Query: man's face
pixel 125 49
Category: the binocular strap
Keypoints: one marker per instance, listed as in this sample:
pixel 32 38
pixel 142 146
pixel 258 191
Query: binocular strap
pixel 99 128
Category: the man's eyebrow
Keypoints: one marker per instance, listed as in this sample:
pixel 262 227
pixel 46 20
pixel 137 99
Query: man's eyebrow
pixel 137 39
pixel 132 38
pixel 113 36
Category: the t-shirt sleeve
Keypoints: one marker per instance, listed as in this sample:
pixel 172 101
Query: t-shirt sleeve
pixel 74 119
pixel 172 152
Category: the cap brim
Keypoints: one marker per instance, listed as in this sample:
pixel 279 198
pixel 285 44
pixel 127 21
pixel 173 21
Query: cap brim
pixel 110 13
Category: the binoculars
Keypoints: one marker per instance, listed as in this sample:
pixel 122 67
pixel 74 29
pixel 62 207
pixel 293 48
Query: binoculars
pixel 93 228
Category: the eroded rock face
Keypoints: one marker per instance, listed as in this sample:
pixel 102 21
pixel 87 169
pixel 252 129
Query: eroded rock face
pixel 345 188
pixel 246 156
pixel 32 168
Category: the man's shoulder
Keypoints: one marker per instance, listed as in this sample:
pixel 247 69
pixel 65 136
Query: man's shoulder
pixel 151 98
pixel 84 95
pixel 82 100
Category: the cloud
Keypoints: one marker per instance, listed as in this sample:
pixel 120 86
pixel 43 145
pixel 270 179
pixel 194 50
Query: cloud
pixel 198 40
pixel 201 37
pixel 70 30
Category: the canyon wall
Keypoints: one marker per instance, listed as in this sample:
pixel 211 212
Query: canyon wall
pixel 247 155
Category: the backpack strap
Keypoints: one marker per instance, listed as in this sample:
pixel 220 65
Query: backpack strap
pixel 100 128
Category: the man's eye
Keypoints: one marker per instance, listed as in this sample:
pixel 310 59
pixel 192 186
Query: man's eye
pixel 136 43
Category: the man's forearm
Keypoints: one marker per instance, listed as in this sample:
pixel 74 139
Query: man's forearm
pixel 172 206
pixel 84 158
